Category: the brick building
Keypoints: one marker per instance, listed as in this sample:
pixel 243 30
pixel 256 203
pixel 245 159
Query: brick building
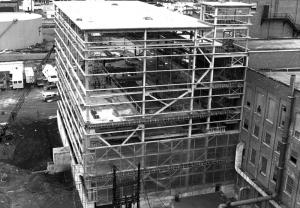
pixel 271 136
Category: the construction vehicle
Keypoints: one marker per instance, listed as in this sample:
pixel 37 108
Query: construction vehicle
pixel 40 79
pixel 4 133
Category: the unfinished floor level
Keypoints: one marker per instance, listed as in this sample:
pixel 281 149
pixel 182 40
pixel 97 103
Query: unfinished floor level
pixel 141 85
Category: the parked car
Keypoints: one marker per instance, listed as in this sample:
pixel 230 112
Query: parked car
pixel 50 96
pixel 50 86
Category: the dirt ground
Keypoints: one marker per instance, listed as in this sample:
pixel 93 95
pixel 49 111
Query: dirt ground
pixel 35 133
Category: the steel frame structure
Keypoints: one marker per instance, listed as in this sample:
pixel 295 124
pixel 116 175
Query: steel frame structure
pixel 169 99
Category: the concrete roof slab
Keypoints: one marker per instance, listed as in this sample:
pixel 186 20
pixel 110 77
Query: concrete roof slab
pixel 125 15
pixel 226 4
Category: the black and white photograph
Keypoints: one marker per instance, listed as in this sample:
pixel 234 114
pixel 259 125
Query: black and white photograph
pixel 149 103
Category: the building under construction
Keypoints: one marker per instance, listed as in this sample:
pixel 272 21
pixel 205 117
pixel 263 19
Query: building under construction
pixel 145 87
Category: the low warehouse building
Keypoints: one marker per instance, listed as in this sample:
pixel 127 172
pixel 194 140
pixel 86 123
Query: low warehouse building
pixel 15 71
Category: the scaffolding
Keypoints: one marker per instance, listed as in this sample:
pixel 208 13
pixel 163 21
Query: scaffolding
pixel 167 96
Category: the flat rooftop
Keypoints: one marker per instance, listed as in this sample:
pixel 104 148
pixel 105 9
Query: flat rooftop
pixel 122 15
pixel 280 44
pixel 225 4
pixel 284 77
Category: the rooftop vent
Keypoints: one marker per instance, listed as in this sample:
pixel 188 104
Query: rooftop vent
pixel 115 4
pixel 148 18
pixel 78 19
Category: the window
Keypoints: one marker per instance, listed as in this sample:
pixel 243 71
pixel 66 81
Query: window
pixel 15 82
pixel 267 138
pixel 282 116
pixel 253 156
pixel 259 103
pixel 246 124
pixel 271 110
pixel 19 81
pixel 256 131
pixel 275 174
pixel 263 168
pixel 248 97
pixel 278 149
pixel 289 186
pixel 297 126
pixel 293 157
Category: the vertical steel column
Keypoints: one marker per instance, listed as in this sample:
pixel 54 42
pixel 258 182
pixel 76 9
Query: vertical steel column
pixel 191 102
pixel 86 78
pixel 245 75
pixel 144 73
pixel 211 78
pixel 144 100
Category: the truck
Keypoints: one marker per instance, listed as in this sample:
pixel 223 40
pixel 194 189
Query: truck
pixel 50 73
pixel 40 78
pixel 29 75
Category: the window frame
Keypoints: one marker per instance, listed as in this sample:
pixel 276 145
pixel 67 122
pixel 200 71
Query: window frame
pixel 248 96
pixel 285 185
pixel 268 108
pixel 264 139
pixel 281 114
pixel 250 159
pixel 291 155
pixel 295 124
pixel 256 104
pixel 276 150
pixel 246 129
pixel 275 170
pixel 261 164
pixel 253 133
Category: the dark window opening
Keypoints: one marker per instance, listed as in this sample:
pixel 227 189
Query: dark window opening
pixel 246 124
pixel 297 134
pixel 253 156
pixel 256 131
pixel 282 116
pixel 258 110
pixel 260 101
pixel 275 174
pixel 278 149
pixel 267 139
pixel 293 157
pixel 248 104
pixel 263 168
